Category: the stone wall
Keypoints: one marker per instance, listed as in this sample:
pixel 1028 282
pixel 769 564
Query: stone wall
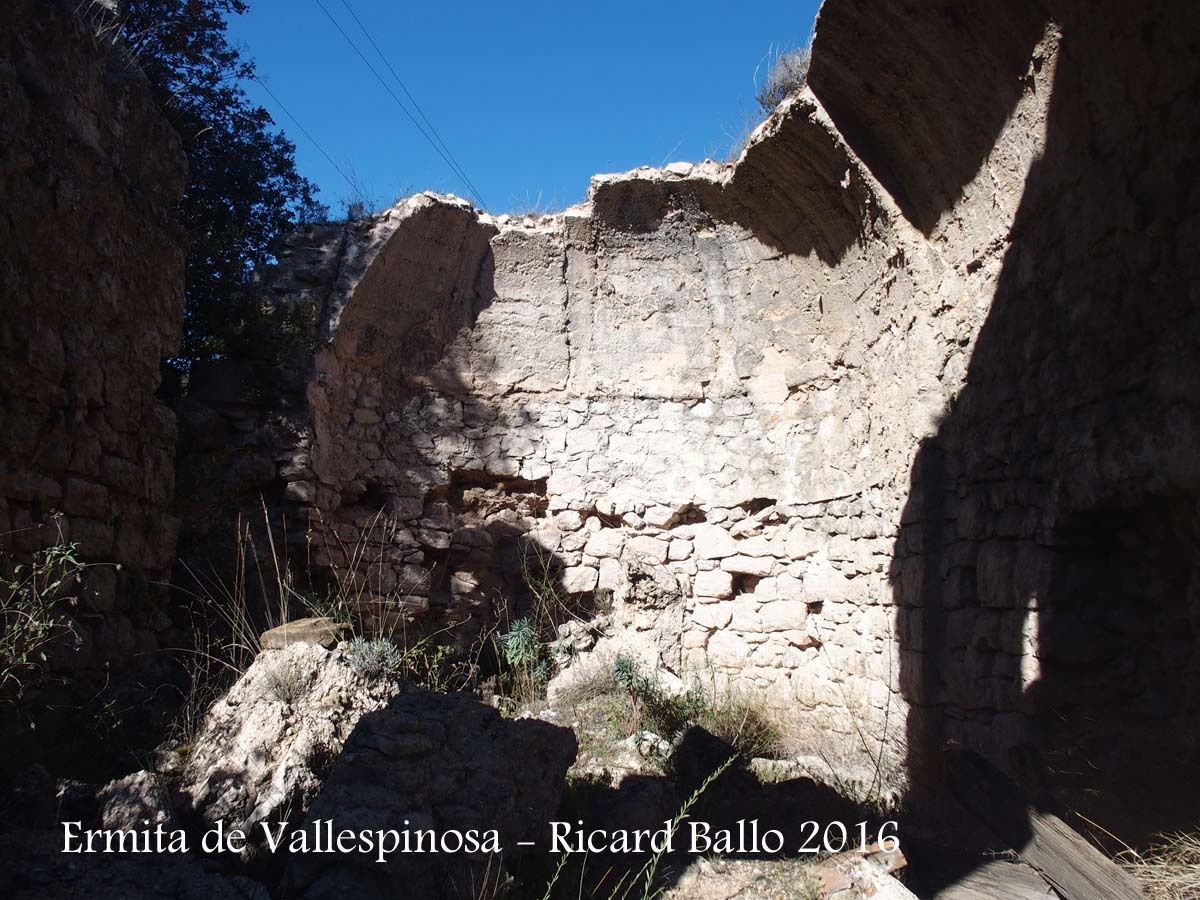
pixel 652 377
pixel 91 274
pixel 1048 556
pixel 852 393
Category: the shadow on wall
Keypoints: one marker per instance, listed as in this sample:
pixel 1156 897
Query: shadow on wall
pixel 399 428
pixel 780 191
pixel 345 404
pixel 1047 574
pixel 922 93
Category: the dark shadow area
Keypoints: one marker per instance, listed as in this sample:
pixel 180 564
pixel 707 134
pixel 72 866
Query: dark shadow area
pixel 443 764
pixel 780 191
pixel 751 815
pixel 921 91
pixel 272 437
pixel 1046 573
pixel 1116 641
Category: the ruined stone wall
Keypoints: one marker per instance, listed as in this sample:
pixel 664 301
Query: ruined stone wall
pixel 1048 551
pixel 91 275
pixel 849 393
pixel 718 372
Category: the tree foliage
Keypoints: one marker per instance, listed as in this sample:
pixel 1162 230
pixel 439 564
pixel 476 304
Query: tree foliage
pixel 243 188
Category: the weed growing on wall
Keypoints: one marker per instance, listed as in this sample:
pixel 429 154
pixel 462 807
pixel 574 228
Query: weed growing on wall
pixel 34 598
pixel 528 660
pixel 787 72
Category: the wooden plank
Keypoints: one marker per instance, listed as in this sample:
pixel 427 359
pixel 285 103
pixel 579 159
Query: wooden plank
pixel 1076 869
pixel 999 879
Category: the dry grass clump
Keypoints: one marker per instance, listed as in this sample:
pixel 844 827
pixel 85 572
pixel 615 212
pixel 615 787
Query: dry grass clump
pixel 585 680
pixel 864 767
pixel 617 690
pixel 787 72
pixel 741 721
pixel 1170 870
pixel 284 683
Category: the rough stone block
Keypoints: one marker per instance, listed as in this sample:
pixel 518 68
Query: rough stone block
pixel 782 615
pixel 679 549
pixel 727 650
pixel 647 547
pixel 713 542
pixel 713 615
pixel 749 565
pixel 606 543
pixel 85 498
pixel 320 631
pixel 580 579
pixel 714 583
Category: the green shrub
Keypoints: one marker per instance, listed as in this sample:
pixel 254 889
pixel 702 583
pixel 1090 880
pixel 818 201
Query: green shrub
pixel 32 599
pixel 437 667
pixel 652 707
pixel 522 645
pixel 374 657
pixel 528 660
pixel 628 674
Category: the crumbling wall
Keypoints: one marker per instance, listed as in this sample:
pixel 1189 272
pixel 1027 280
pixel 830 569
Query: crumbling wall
pixel 91 274
pixel 1048 556
pixel 718 372
pixel 839 391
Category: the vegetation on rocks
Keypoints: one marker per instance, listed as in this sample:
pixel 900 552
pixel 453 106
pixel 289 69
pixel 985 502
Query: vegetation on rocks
pixel 528 662
pixel 787 72
pixel 374 657
pixel 284 682
pixel 34 597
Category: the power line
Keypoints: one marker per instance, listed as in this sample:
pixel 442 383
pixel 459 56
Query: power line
pixel 400 103
pixel 462 173
pixel 328 158
pixel 454 167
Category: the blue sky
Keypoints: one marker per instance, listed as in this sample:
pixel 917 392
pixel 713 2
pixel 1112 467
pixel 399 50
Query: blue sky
pixel 531 98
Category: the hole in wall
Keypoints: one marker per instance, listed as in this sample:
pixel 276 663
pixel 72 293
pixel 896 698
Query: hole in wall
pixel 689 514
pixel 374 495
pixel 480 495
pixel 745 584
pixel 608 520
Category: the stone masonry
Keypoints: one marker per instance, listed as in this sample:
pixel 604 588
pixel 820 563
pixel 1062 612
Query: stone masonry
pixel 787 382
pixel 91 276
pixel 673 373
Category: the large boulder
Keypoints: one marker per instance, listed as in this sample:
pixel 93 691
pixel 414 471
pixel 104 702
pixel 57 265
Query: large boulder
pixel 136 801
pixel 304 738
pixel 33 805
pixel 265 748
pixel 433 762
